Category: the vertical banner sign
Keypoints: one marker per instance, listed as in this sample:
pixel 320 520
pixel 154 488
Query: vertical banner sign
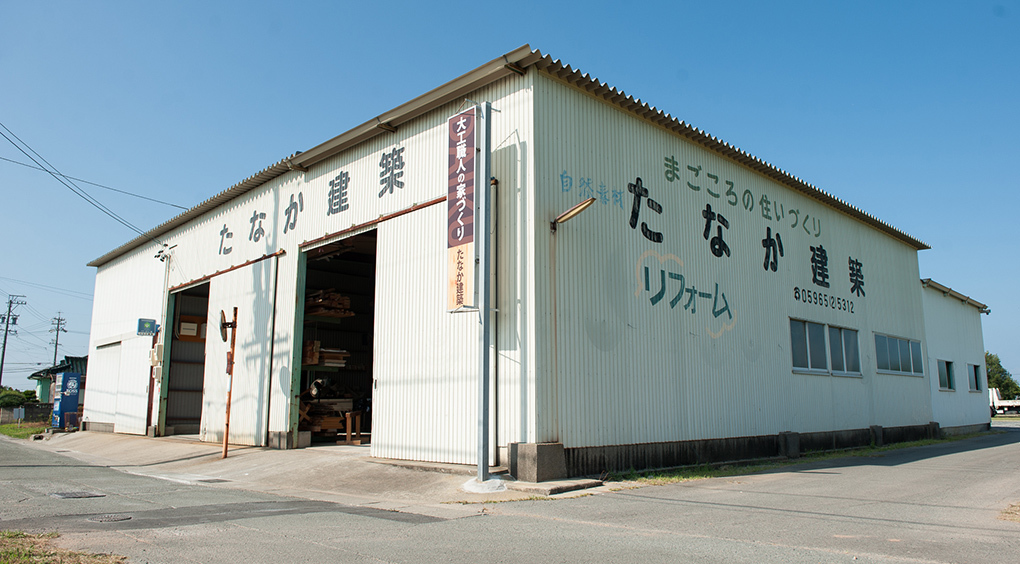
pixel 460 206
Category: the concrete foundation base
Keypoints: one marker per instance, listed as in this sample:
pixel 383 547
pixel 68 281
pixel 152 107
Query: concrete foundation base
pixel 597 461
pixel 876 435
pixel 965 429
pixel 537 462
pixel 789 445
pixel 285 440
pixel 96 426
pixel 279 440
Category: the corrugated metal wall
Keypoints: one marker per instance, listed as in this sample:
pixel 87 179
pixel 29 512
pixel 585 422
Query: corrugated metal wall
pixel 953 333
pixel 513 158
pixel 700 346
pixel 127 289
pixel 281 393
pixel 304 206
pixel 253 291
pixel 101 406
pixel 426 360
pixel 133 396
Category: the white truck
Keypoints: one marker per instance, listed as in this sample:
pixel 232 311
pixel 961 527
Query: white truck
pixel 999 405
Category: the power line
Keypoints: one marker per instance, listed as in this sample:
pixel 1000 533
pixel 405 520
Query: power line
pixel 64 291
pixel 97 184
pixel 37 314
pixel 72 186
pixel 44 344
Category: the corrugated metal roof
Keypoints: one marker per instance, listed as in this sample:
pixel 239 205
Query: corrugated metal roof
pixel 516 61
pixel 76 364
pixel 246 185
pixel 947 291
pixel 641 109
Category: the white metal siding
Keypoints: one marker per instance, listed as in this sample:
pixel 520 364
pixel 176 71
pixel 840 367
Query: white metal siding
pixel 127 289
pixel 426 360
pixel 617 369
pixel 513 157
pixel 296 210
pixel 133 386
pixel 131 286
pixel 953 333
pixel 253 291
pixel 280 392
pixel 104 364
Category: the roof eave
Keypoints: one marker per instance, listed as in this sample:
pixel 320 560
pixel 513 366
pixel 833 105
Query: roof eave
pixel 488 73
pixel 947 291
pixel 513 62
pixel 625 102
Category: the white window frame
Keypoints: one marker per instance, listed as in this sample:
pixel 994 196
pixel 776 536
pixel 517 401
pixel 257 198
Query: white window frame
pixel 842 346
pixel 974 377
pixel 950 377
pixel 826 346
pixel 899 372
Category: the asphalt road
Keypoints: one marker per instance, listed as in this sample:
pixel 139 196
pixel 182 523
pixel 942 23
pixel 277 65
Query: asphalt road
pixel 939 503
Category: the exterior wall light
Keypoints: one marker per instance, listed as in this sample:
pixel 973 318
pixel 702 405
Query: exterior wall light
pixel 569 214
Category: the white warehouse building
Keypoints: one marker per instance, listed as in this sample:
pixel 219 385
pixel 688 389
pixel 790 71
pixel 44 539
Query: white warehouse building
pixel 705 306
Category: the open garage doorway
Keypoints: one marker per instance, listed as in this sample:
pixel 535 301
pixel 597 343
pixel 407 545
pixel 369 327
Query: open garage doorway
pixel 337 341
pixel 186 380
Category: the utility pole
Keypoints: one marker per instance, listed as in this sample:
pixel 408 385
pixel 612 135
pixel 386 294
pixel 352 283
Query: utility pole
pixel 58 327
pixel 8 320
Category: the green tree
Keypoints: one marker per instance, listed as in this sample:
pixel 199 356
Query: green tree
pixel 30 396
pixel 999 377
pixel 11 398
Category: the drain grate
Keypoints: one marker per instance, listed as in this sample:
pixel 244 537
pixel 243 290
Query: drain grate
pixel 213 481
pixel 75 495
pixel 109 518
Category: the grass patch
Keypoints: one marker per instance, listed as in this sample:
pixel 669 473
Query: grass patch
pixel 704 471
pixel 17 547
pixel 1011 513
pixel 23 431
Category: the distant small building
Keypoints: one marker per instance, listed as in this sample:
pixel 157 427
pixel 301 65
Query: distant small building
pixel 956 358
pixel 44 378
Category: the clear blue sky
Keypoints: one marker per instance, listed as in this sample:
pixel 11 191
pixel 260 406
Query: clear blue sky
pixel 909 110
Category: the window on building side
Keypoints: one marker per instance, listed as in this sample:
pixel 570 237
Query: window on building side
pixel 898 355
pixel 974 377
pixel 946 375
pixel 818 347
pixel 843 350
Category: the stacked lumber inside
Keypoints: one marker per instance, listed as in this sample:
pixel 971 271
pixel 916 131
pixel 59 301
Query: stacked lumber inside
pixel 333 357
pixel 324 415
pixel 327 418
pixel 310 353
pixel 328 303
pixel 314 354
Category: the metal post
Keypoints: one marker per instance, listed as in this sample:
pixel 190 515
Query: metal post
pixel 230 381
pixel 483 231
